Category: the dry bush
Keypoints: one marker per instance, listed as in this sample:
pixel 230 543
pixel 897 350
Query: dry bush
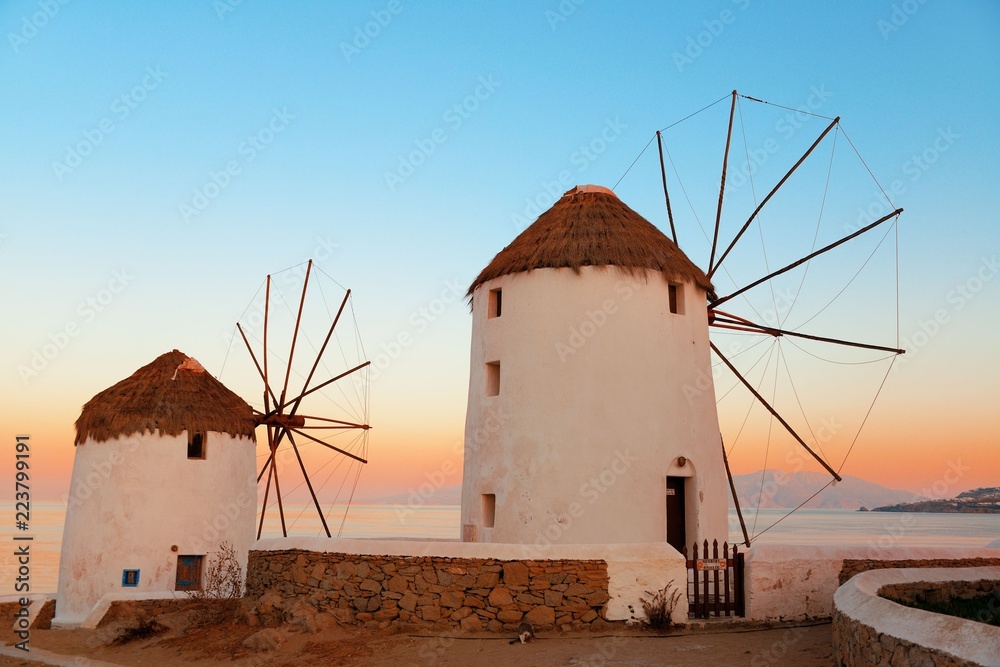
pixel 222 588
pixel 661 607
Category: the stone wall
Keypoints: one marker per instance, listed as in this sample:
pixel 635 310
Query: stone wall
pixel 937 592
pixel 871 629
pixel 417 592
pixel 854 566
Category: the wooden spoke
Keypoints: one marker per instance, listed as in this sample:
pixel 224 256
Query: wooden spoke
pixel 736 499
pixel 330 381
pixel 334 421
pixel 774 412
pixel 791 266
pixel 295 333
pixel 277 492
pixel 666 195
pixel 263 375
pixel 305 476
pixel 266 466
pixel 742 324
pixel 322 349
pixel 722 187
pixel 753 215
pixel 267 490
pixel 327 444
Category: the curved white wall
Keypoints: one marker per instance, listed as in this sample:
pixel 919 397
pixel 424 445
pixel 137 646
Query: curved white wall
pixel 132 499
pixel 601 389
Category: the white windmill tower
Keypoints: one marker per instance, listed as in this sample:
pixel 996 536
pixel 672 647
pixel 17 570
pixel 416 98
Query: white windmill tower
pixel 592 414
pixel 163 474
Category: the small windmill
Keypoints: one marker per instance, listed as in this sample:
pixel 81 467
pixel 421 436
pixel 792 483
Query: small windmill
pixel 724 320
pixel 296 411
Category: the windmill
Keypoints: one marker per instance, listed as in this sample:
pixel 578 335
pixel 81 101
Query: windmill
pixel 314 404
pixel 720 310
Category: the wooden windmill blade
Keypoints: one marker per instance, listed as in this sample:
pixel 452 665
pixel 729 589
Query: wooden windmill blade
pixel 288 429
pixel 720 251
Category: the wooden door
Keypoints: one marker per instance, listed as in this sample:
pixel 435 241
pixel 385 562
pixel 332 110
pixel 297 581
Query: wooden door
pixel 189 573
pixel 676 529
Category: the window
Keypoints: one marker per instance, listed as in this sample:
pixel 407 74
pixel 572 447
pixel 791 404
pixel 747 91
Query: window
pixel 496 303
pixel 489 509
pixel 675 295
pixel 196 445
pixel 493 378
pixel 189 573
pixel 130 578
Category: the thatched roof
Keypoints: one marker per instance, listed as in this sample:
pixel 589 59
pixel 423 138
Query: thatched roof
pixel 173 394
pixel 590 226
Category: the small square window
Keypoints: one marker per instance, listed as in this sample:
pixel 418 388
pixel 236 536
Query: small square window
pixel 489 509
pixel 130 578
pixel 496 303
pixel 675 296
pixel 196 445
pixel 493 378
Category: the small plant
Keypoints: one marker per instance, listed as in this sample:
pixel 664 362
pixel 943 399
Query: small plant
pixel 660 607
pixel 144 629
pixel 222 587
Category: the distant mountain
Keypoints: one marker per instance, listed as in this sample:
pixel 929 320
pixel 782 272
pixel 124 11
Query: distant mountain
pixel 788 489
pixel 977 501
pixel 449 495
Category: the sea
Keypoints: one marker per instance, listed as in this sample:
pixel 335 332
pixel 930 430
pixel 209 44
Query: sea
pixel 441 522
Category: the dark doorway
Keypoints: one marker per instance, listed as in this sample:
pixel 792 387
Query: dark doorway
pixel 676 530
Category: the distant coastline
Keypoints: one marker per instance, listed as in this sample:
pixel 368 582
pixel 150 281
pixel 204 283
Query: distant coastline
pixel 984 500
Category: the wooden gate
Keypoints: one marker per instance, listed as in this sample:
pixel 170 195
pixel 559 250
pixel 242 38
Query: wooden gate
pixel 714 585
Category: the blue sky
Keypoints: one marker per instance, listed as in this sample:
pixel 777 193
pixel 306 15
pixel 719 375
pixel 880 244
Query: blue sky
pixel 192 147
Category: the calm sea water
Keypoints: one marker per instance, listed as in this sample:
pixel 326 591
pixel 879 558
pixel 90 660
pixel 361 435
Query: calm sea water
pixel 806 527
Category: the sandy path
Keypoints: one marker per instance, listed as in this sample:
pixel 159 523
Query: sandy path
pixel 804 646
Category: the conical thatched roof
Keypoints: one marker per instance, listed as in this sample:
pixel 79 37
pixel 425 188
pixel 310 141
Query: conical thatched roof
pixel 590 226
pixel 173 394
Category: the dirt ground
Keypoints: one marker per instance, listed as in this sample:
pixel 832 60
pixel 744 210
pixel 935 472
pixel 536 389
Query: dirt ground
pixel 221 645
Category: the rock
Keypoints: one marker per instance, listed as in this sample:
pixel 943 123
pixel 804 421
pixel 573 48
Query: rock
pixel 471 624
pixel 345 570
pixel 264 640
pixel 398 584
pixel 509 616
pixel 515 574
pixel 430 613
pixel 553 598
pixel 488 580
pixel 408 602
pixel 371 586
pixel 589 616
pixel 452 599
pixel 499 597
pixel 540 616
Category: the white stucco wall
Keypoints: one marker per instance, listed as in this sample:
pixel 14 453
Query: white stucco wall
pixel 634 570
pixel 793 583
pixel 132 499
pixel 601 389
pixel 977 643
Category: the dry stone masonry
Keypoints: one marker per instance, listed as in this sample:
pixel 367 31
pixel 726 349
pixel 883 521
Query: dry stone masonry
pixel 411 592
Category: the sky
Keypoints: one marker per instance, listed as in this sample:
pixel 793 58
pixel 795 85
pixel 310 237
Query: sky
pixel 158 162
